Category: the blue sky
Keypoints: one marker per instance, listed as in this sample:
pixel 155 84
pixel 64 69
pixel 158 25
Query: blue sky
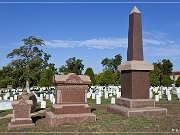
pixel 90 31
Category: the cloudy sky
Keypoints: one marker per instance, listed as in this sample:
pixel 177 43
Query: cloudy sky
pixel 90 31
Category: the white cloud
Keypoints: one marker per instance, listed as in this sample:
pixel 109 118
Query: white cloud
pixel 164 52
pixel 102 43
pixel 155 44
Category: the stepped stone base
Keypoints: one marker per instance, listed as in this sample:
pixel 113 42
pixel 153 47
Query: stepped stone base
pixel 70 108
pixel 136 107
pixel 62 119
pixel 21 123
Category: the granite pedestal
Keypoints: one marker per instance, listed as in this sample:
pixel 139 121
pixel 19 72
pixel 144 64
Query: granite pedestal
pixel 21 114
pixel 71 102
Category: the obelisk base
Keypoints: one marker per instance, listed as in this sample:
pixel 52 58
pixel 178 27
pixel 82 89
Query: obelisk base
pixel 136 107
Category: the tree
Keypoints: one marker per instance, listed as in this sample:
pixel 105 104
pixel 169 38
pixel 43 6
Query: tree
pixel 112 64
pixel 167 66
pixel 29 61
pixel 90 73
pixel 154 80
pixel 46 78
pixel 6 76
pixel 178 82
pixel 105 78
pixel 72 65
pixel 162 68
pixel 166 81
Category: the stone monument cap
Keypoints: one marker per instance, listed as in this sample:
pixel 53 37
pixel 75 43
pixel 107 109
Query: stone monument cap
pixel 135 65
pixel 22 102
pixel 135 10
pixel 72 78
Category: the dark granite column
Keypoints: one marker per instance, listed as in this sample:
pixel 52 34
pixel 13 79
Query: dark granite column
pixel 135 49
pixel 135 83
pixel 135 76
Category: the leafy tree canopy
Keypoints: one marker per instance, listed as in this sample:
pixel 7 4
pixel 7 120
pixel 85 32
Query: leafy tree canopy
pixel 154 80
pixel 72 65
pixel 178 82
pixel 166 81
pixel 106 78
pixel 29 61
pixel 112 64
pixel 90 73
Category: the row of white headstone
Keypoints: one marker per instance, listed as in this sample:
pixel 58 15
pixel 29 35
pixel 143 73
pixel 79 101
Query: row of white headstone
pixel 98 92
pixel 159 91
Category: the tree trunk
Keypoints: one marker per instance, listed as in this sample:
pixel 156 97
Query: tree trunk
pixel 27 86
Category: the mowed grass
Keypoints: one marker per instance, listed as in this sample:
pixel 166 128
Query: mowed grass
pixel 107 122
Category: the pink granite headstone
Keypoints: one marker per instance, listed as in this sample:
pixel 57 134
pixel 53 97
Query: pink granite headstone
pixel 21 114
pixel 71 102
pixel 29 96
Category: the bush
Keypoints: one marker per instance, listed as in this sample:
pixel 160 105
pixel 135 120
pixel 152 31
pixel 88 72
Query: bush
pixel 166 81
pixel 154 80
pixel 178 82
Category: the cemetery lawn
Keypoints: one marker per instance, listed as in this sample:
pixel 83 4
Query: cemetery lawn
pixel 107 122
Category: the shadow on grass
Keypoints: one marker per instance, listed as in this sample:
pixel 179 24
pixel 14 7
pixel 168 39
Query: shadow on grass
pixel 39 109
pixel 93 109
pixel 36 118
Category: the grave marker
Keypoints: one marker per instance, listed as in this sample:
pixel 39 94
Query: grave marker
pixel 135 76
pixel 71 102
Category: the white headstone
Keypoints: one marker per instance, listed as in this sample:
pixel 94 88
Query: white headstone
pixel 100 94
pixel 169 97
pixel 5 97
pixel 118 94
pixel 15 97
pixel 47 96
pixel 43 104
pixel 113 100
pixel 8 94
pixel 41 97
pixel 53 100
pixel 106 94
pixel 150 94
pixel 93 95
pixel 156 97
pixel 11 98
pixel 88 95
pixel 178 95
pixel 0 98
pixel 98 100
pixel 51 97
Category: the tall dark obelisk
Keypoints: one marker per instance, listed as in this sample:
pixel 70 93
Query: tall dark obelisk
pixel 135 72
pixel 135 76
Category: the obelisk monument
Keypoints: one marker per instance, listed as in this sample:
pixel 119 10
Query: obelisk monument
pixel 135 76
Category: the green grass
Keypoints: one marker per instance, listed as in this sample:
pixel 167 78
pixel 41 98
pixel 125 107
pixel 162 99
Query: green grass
pixel 5 112
pixel 107 122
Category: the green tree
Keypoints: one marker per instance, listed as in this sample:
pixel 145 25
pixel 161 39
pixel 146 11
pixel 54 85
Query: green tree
pixel 154 80
pixel 167 66
pixel 72 65
pixel 105 78
pixel 162 68
pixel 178 82
pixel 166 81
pixel 112 64
pixel 29 61
pixel 90 73
pixel 46 78
pixel 6 76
